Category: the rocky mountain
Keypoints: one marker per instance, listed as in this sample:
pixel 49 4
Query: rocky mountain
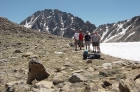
pixel 57 22
pixel 122 31
pixel 32 61
pixel 64 24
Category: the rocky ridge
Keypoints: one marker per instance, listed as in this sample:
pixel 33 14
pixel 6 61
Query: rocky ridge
pixel 57 22
pixel 67 69
pixel 64 24
pixel 122 31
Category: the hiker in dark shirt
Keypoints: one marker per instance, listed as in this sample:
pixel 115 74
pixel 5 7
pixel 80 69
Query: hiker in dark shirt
pixel 87 41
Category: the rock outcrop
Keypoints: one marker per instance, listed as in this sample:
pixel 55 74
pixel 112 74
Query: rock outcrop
pixel 36 71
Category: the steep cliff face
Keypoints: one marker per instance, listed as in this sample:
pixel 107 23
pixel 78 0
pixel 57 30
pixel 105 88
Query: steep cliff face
pixel 57 22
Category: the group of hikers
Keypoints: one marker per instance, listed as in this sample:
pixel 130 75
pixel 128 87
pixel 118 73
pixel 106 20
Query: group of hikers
pixel 93 38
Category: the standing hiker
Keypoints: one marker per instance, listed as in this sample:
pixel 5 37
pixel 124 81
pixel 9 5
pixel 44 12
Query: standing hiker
pixel 76 39
pixel 81 39
pixel 93 42
pixel 87 41
pixel 97 41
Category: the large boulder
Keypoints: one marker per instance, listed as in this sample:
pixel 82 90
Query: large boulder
pixel 123 87
pixel 36 71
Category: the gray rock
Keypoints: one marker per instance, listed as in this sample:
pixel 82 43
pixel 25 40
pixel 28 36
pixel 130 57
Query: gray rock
pixel 89 61
pixel 36 71
pixel 3 60
pixel 123 87
pixel 76 78
pixel 57 81
pixel 17 51
pixel 107 65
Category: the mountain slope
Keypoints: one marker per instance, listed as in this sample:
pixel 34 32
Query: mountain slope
pixel 57 22
pixel 122 31
pixel 8 27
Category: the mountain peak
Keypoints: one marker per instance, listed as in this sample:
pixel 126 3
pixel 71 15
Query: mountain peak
pixel 57 22
pixel 64 24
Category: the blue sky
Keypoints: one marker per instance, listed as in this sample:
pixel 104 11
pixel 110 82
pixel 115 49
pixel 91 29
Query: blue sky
pixel 96 11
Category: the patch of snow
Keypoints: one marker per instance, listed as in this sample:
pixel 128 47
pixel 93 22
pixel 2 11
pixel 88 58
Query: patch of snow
pixel 30 24
pixel 47 28
pixel 130 35
pixel 54 28
pixel 136 19
pixel 124 50
pixel 104 33
pixel 121 34
pixel 49 17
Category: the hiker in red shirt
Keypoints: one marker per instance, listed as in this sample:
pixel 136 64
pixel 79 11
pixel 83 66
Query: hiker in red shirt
pixel 81 36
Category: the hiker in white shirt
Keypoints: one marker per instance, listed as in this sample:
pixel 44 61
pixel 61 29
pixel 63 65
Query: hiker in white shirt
pixel 76 38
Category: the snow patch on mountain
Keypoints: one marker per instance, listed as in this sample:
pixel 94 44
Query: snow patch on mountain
pixel 30 23
pixel 130 35
pixel 104 33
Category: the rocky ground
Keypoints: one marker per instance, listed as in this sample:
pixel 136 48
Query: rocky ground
pixel 67 70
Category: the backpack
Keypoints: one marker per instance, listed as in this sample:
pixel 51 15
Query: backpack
pixel 85 54
pixel 97 56
pixel 91 56
pixel 94 56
